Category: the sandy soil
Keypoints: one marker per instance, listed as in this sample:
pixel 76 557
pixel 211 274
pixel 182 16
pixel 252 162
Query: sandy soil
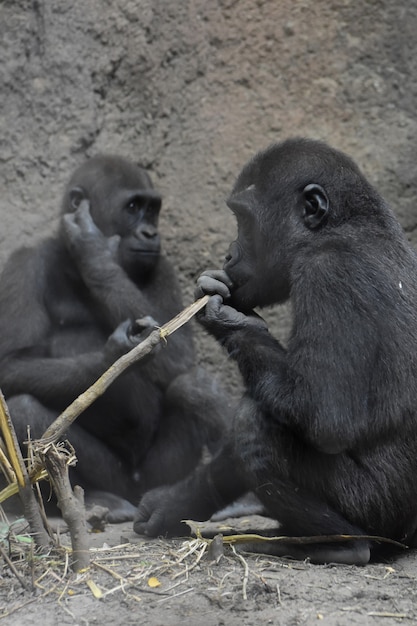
pixel 133 580
pixel 192 89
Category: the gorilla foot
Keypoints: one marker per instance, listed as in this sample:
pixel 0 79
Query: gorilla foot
pixel 119 509
pixel 351 553
pixel 248 504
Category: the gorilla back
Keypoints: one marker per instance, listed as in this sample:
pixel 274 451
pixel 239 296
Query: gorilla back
pixel 67 312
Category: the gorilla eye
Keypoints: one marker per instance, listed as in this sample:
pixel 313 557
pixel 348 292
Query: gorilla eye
pixel 135 205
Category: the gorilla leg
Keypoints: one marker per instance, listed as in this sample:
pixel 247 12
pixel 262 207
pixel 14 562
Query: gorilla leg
pixel 195 413
pixel 25 412
pixel 196 497
pixel 274 461
pixel 97 466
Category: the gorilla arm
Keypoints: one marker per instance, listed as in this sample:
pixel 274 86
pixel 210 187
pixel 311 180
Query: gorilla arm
pixel 307 387
pixel 27 362
pixel 117 295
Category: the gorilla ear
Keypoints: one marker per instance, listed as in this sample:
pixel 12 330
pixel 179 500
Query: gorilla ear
pixel 76 195
pixel 316 206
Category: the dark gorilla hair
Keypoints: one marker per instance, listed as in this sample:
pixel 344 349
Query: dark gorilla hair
pixel 70 307
pixel 326 432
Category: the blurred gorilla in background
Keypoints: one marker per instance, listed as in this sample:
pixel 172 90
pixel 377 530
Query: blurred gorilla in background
pixel 67 312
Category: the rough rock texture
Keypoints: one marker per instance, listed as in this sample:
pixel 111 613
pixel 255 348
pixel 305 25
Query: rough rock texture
pixel 191 89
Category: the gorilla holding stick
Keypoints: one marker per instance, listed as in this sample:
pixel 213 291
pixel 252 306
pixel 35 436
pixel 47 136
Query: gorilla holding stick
pixel 326 432
pixel 67 311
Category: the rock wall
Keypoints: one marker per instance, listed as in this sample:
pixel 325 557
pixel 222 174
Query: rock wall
pixel 191 89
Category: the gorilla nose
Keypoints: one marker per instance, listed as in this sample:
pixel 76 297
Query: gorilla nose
pixel 232 255
pixel 147 232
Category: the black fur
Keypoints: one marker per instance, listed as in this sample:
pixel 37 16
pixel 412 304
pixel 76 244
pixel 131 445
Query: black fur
pixel 67 311
pixel 327 429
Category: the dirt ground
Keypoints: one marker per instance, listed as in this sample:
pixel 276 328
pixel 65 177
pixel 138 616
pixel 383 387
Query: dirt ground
pixel 191 89
pixel 133 580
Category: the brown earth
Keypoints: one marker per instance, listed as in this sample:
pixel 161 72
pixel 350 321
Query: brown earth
pixel 191 89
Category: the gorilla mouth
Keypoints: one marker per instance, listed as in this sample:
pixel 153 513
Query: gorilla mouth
pixel 244 296
pixel 144 251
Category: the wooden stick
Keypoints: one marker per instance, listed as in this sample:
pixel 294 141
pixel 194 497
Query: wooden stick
pixel 183 317
pixel 71 504
pixel 29 502
pixel 67 417
pixel 10 439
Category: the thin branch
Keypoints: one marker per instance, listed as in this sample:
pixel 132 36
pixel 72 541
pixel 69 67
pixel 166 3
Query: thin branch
pixel 10 439
pixel 246 574
pixel 6 466
pixel 254 538
pixel 13 568
pixel 27 496
pixel 71 504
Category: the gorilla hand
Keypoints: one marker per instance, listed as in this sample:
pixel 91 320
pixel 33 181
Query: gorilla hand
pixel 128 335
pixel 142 328
pixel 160 512
pixel 213 282
pixel 163 509
pixel 220 319
pixel 84 239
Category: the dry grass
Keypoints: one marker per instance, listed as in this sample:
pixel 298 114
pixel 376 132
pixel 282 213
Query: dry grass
pixel 163 569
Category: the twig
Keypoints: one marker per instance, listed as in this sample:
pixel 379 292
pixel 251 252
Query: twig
pixel 183 317
pixel 14 570
pixel 278 593
pixel 71 504
pixel 246 574
pixel 176 595
pixel 7 467
pixel 9 435
pixel 16 608
pixel 254 538
pixel 384 614
pixel 27 496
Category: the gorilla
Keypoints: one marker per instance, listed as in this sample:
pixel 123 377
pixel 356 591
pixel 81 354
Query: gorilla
pixel 326 432
pixel 67 312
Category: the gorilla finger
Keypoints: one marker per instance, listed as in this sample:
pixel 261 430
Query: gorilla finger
pixel 211 286
pixel 123 328
pixel 215 304
pixel 220 275
pixel 68 218
pixel 143 323
pixel 84 218
pixel 84 208
pixel 113 244
pixel 141 329
pixel 212 309
pixel 71 228
pixel 213 281
pixel 151 526
pixel 121 334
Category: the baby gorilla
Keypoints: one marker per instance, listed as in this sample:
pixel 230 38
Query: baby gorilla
pixel 67 309
pixel 326 432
